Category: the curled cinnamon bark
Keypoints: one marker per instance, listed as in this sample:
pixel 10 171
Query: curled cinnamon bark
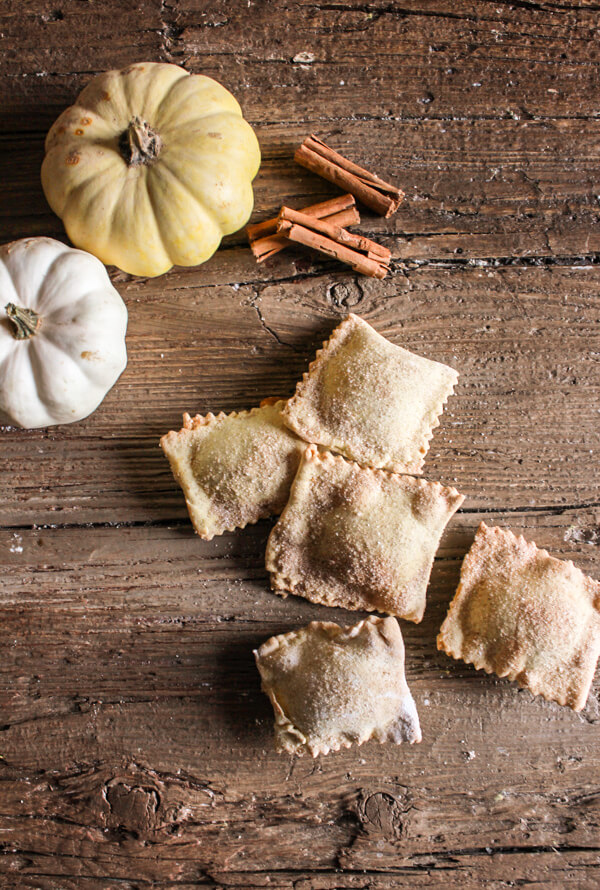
pixel 380 196
pixel 373 265
pixel 335 231
pixel 264 242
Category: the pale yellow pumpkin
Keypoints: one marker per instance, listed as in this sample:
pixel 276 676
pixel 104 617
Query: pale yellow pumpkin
pixel 151 168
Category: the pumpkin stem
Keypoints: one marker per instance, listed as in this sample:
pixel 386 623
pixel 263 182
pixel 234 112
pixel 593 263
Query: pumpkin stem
pixel 26 321
pixel 139 144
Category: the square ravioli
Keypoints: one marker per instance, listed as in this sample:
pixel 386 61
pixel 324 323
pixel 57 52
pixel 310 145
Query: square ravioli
pixel 358 538
pixel 332 686
pixel 522 614
pixel 234 469
pixel 370 400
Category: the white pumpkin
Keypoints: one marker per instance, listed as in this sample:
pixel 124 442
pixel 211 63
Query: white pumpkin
pixel 62 342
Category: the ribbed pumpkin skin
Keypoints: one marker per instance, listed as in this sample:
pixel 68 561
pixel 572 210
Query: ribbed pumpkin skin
pixel 63 371
pixel 169 210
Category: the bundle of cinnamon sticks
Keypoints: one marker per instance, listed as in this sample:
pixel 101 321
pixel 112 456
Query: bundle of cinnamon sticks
pixel 265 243
pixel 322 226
pixel 380 196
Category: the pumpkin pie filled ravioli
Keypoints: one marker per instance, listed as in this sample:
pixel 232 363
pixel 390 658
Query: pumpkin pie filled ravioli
pixel 522 614
pixel 370 400
pixel 332 686
pixel 234 469
pixel 358 538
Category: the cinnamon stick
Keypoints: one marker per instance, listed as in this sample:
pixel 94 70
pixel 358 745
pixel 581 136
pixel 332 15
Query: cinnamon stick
pixel 264 242
pixel 375 266
pixel 324 208
pixel 380 196
pixel 266 247
pixel 335 231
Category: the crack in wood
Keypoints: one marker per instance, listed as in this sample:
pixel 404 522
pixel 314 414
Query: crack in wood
pixel 392 10
pixel 359 117
pixel 577 261
pixel 170 32
pixel 183 522
pixel 254 301
pixel 545 7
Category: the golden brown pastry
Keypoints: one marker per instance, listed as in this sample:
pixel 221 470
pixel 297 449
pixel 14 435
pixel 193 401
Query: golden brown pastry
pixel 525 615
pixel 332 687
pixel 370 400
pixel 234 469
pixel 358 538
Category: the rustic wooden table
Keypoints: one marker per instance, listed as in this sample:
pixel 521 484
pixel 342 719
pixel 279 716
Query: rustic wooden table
pixel 136 746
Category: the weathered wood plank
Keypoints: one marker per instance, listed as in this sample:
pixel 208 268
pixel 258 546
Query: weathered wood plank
pixel 521 429
pixel 470 61
pixel 152 613
pixel 49 47
pixel 324 60
pixel 384 810
pixel 483 188
pixel 537 871
pixel 151 814
pixel 512 799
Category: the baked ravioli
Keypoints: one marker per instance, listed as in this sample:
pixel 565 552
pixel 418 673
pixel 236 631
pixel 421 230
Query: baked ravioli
pixel 522 614
pixel 370 400
pixel 234 469
pixel 358 538
pixel 332 687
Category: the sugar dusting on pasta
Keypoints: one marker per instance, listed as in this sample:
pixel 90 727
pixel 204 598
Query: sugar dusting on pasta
pixel 234 468
pixel 332 687
pixel 522 614
pixel 359 538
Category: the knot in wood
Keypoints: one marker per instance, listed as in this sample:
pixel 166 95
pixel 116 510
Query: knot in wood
pixel 381 812
pixel 133 808
pixel 345 294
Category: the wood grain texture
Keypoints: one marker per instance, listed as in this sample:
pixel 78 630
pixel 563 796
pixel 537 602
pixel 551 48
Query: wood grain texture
pixel 135 744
